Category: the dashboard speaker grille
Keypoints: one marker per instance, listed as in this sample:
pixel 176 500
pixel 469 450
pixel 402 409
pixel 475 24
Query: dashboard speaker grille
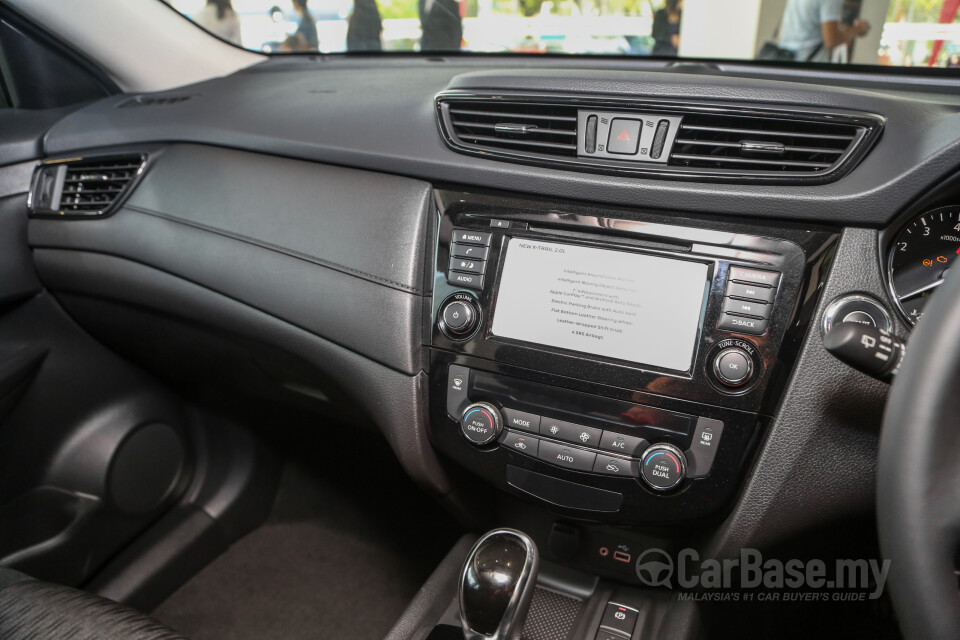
pixel 752 143
pixel 537 128
pixel 84 187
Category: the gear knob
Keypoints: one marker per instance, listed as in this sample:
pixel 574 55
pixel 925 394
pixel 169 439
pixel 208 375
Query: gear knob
pixel 497 584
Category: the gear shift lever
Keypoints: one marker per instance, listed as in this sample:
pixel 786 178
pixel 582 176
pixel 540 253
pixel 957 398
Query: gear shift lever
pixel 497 584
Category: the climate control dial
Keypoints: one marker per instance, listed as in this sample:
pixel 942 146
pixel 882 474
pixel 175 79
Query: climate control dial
pixel 663 467
pixel 481 423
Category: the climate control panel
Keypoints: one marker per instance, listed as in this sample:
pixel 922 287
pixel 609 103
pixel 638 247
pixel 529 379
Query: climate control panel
pixel 587 452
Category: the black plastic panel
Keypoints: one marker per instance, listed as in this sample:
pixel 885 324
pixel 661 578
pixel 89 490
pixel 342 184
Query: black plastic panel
pixel 333 111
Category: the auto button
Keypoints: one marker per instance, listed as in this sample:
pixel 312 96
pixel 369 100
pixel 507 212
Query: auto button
pixel 564 456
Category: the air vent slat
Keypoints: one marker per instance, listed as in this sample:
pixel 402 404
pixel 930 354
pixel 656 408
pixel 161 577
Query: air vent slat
pixel 491 126
pixel 757 161
pixel 512 114
pixel 527 143
pixel 87 187
pixel 737 145
pixel 752 144
pixel 517 128
pixel 761 132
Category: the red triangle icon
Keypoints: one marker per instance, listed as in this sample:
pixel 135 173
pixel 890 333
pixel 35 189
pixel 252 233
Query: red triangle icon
pixel 624 136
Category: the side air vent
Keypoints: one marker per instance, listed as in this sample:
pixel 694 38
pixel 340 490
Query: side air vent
pixel 83 187
pixel 152 101
pixel 710 142
pixel 539 129
pixel 748 144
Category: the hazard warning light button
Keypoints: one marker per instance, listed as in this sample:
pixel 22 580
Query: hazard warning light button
pixel 624 136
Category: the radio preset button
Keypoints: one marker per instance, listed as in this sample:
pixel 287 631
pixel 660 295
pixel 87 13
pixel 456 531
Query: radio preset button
pixel 521 443
pixel 458 250
pixel 746 307
pixel 521 420
pixel 564 456
pixel 472 237
pixel 754 276
pixel 616 466
pixel 622 444
pixel 737 324
pixel 751 292
pixel 570 432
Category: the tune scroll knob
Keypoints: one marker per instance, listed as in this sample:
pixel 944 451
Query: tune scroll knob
pixel 733 367
pixel 481 423
pixel 663 467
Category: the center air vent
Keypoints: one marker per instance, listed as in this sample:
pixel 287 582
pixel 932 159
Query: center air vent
pixel 540 129
pixel 659 138
pixel 750 143
pixel 85 187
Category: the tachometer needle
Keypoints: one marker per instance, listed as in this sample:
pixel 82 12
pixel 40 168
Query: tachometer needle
pixel 927 287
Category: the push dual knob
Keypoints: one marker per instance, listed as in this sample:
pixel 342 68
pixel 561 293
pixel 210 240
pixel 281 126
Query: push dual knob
pixel 663 467
pixel 481 423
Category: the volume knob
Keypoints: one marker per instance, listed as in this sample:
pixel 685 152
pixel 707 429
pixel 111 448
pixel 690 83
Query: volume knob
pixel 481 423
pixel 459 318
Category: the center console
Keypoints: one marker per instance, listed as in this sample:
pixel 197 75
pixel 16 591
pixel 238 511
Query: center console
pixel 612 364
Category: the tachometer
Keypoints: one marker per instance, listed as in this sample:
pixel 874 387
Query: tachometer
pixel 920 257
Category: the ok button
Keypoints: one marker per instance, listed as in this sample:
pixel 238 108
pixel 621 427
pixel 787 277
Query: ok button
pixel 733 367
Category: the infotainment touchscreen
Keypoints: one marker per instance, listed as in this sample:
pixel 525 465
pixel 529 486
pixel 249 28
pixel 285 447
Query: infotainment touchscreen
pixel 630 306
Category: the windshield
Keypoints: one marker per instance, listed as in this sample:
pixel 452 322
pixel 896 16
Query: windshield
pixel 903 33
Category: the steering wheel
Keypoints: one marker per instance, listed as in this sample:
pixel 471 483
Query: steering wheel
pixel 918 486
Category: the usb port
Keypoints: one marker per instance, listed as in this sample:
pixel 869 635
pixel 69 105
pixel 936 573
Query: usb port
pixel 620 556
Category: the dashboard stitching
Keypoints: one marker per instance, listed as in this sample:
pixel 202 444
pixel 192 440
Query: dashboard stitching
pixel 277 248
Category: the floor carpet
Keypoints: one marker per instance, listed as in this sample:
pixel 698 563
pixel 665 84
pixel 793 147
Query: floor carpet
pixel 340 557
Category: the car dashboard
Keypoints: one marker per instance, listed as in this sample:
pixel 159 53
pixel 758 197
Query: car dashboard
pixel 598 318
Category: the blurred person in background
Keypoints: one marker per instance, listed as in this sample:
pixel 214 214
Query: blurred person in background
pixel 666 29
pixel 812 28
pixel 441 25
pixel 219 18
pixel 364 27
pixel 305 37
